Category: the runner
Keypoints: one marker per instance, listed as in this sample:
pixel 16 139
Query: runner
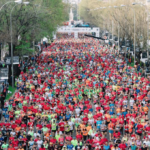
pixel 77 95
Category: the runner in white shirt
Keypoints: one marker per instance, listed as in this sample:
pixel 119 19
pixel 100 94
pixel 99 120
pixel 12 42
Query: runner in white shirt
pixel 131 102
pixel 71 124
pixel 39 143
pixel 77 111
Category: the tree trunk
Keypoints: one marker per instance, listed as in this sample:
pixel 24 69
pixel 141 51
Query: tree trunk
pixel 15 67
pixel 14 46
pixel 0 51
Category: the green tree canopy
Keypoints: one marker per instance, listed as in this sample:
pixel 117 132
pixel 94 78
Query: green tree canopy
pixel 40 18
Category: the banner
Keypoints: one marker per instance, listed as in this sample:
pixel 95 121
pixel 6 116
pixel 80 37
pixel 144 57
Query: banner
pixel 3 73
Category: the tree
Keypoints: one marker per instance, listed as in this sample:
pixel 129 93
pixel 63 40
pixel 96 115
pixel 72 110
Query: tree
pixel 93 11
pixel 40 18
pixel 30 23
pixel 24 48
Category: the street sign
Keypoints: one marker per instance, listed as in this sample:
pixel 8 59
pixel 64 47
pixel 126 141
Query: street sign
pixel 15 60
pixel 137 49
pixel 8 60
pixel 3 73
pixel 25 56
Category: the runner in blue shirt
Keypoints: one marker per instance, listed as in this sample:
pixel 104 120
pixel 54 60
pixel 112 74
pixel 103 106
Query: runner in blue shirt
pixel 98 123
pixel 106 146
pixel 70 146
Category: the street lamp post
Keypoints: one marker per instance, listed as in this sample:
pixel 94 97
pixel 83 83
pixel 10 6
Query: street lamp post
pixel 11 36
pixel 134 37
pixel 112 30
pixel 147 28
pixel 12 69
pixel 134 29
pixel 148 34
pixel 148 20
pixel 118 37
pixel 118 32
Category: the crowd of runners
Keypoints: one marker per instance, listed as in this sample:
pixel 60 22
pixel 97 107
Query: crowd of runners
pixel 77 95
